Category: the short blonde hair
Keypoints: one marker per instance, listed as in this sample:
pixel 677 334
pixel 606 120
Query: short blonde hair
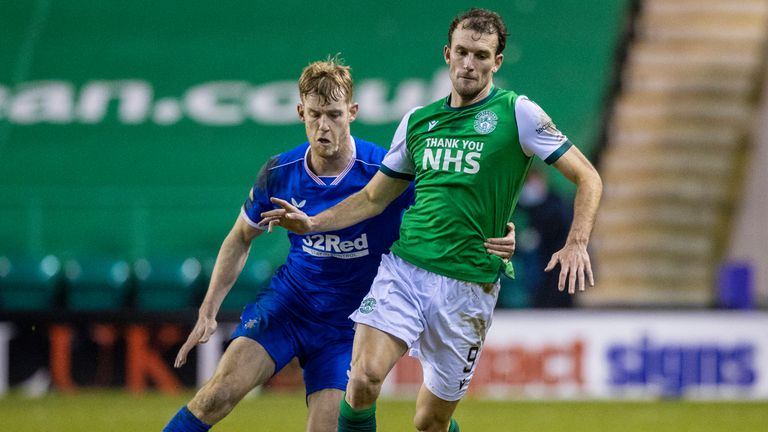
pixel 330 79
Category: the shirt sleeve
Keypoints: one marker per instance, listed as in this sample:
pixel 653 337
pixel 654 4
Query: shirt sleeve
pixel 258 198
pixel 538 133
pixel 398 162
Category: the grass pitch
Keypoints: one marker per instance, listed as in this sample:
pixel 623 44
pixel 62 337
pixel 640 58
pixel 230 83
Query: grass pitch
pixel 117 411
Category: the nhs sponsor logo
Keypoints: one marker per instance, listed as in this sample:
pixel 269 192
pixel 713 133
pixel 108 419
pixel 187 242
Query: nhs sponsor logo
pixel 674 369
pixel 331 245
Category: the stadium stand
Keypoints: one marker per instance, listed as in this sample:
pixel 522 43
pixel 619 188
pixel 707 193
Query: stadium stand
pixel 167 283
pixel 29 283
pixel 676 146
pixel 96 283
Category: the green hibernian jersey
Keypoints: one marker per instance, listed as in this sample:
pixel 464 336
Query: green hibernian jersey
pixel 469 165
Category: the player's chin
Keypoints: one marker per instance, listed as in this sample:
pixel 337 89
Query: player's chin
pixel 468 89
pixel 327 149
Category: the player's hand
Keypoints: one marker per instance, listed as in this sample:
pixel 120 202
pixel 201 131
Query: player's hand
pixel 503 247
pixel 574 266
pixel 288 217
pixel 204 328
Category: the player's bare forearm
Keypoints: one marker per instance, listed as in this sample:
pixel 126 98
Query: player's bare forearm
pixel 365 204
pixel 356 208
pixel 589 189
pixel 574 261
pixel 229 263
pixel 380 191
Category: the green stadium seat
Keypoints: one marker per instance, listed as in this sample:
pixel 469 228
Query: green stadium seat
pixel 167 284
pixel 254 277
pixel 96 284
pixel 29 283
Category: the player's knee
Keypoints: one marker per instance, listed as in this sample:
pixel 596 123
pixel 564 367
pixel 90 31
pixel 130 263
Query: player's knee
pixel 361 389
pixel 364 386
pixel 366 378
pixel 212 401
pixel 426 421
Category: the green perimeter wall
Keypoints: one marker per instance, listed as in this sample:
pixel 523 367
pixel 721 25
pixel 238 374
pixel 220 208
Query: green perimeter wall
pixel 137 128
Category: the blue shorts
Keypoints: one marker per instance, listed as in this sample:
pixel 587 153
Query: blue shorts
pixel 324 351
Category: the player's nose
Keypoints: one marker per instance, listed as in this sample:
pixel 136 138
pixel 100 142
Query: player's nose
pixel 324 124
pixel 469 63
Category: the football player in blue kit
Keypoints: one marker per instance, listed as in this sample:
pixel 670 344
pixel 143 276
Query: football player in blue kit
pixel 304 312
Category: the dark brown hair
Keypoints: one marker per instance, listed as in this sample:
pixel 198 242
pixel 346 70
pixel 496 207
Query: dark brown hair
pixel 481 21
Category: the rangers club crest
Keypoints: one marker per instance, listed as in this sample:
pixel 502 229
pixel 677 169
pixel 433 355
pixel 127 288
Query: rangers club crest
pixel 485 122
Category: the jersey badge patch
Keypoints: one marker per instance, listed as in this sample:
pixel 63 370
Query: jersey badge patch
pixel 368 305
pixel 485 122
pixel 251 323
pixel 432 125
pixel 546 124
pixel 298 204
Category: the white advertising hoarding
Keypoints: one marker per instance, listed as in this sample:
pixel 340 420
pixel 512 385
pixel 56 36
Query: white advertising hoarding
pixel 526 355
pixel 615 355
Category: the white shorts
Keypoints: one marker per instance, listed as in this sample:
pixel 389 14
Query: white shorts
pixel 442 320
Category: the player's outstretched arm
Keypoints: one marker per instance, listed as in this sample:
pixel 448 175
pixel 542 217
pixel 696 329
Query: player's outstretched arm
pixel 370 201
pixel 229 263
pixel 503 247
pixel 573 258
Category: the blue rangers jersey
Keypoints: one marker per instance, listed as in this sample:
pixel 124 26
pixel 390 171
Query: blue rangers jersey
pixel 326 275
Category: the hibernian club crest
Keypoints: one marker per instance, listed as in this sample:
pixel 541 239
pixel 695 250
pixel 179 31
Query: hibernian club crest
pixel 485 122
pixel 368 305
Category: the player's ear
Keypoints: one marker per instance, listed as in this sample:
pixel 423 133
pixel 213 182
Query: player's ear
pixel 353 109
pixel 447 54
pixel 300 110
pixel 498 60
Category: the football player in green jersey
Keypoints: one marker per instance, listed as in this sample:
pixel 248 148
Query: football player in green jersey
pixel 468 154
